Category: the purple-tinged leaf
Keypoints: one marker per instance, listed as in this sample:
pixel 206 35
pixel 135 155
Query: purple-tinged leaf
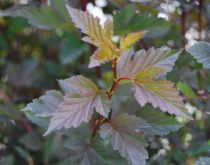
pixel 46 105
pixel 144 68
pixel 82 96
pixel 131 63
pixel 121 131
pixel 201 52
pixel 81 152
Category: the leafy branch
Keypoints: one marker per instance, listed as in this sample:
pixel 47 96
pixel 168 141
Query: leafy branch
pixel 143 70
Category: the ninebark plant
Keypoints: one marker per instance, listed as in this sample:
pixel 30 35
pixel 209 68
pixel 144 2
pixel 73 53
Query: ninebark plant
pixel 144 70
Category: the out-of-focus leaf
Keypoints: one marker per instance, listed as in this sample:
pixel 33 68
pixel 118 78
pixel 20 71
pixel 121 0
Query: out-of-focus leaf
pixel 198 149
pixel 44 16
pixel 123 141
pixel 25 74
pixel 54 69
pixel 126 20
pixel 98 35
pixel 16 26
pixel 160 123
pixel 201 52
pixel 31 141
pixel 46 105
pixel 23 153
pixel 51 146
pixel 79 103
pixel 82 152
pixel 3 43
pixel 144 69
pixel 186 90
pixel 203 161
pixel 39 121
pixel 10 112
pixel 140 0
pixel 71 49
pixel 7 160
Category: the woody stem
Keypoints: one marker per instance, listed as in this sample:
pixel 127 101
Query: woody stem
pixel 99 122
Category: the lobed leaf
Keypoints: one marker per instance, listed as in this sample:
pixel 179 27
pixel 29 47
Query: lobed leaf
pixel 201 52
pixel 128 41
pixel 98 35
pixel 46 105
pixel 154 121
pixel 81 152
pixel 82 96
pixel 144 68
pixel 131 63
pixel 128 146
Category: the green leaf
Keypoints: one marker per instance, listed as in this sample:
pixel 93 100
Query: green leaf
pixel 51 146
pixel 71 49
pixel 24 74
pixel 44 16
pixel 161 124
pixel 201 52
pixel 10 112
pixel 7 160
pixel 186 89
pixel 23 153
pixel 31 141
pixel 198 149
pixel 126 20
pixel 3 42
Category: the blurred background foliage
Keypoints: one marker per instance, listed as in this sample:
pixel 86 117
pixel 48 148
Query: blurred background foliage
pixel 39 45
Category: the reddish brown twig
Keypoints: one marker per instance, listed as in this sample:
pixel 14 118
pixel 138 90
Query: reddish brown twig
pixel 100 121
pixel 27 126
pixel 183 26
pixel 83 4
pixel 200 18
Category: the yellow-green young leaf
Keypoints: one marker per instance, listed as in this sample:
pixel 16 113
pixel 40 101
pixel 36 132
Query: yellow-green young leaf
pixel 145 68
pixel 97 34
pixel 128 41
